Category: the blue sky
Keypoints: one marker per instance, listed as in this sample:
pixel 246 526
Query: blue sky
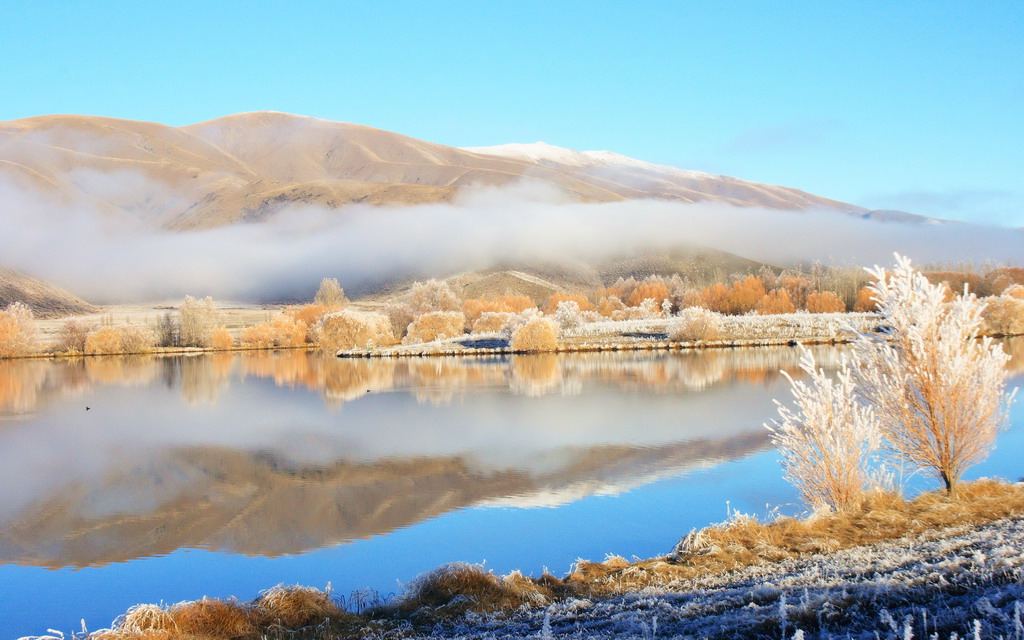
pixel 911 105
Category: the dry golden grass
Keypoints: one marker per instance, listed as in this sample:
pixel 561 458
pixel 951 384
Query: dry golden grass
pixel 295 607
pixel 745 541
pixel 454 589
pixel 214 618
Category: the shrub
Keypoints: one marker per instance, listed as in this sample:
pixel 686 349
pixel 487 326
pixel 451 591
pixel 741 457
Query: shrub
pixel 104 341
pixel 827 442
pixel 71 337
pixel 17 331
pixel 1004 315
pixel 432 295
pixel 656 291
pixel 168 331
pixel 554 299
pixel 475 307
pixel 538 334
pixel 825 302
pixel 282 331
pixel 608 305
pixel 195 318
pixel 694 323
pixel 330 294
pixel 797 287
pixel 310 315
pixel 136 339
pixel 221 339
pixel 491 321
pixel 647 310
pixel 401 316
pixel 568 315
pixel 348 329
pixel 776 302
pixel 436 325
pixel 745 294
pixel 939 392
pixel 865 301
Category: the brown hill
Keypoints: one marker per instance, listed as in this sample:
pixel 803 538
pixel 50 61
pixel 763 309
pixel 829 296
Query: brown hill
pixel 45 299
pixel 245 167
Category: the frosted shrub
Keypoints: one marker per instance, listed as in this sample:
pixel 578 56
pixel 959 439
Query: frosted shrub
pixel 432 295
pixel 647 310
pixel 568 315
pixel 330 294
pixel 938 390
pixel 195 319
pixel 282 331
pixel 136 339
pixel 72 336
pixel 491 321
pixel 521 319
pixel 1004 314
pixel 130 339
pixel 828 440
pixel 221 339
pixel 436 325
pixel 775 302
pixel 103 341
pixel 539 334
pixel 348 329
pixel 17 331
pixel 694 323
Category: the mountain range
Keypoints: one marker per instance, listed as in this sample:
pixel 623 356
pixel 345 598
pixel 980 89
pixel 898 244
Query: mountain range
pixel 245 167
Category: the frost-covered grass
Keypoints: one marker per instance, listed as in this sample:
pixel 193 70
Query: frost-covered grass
pixel 934 566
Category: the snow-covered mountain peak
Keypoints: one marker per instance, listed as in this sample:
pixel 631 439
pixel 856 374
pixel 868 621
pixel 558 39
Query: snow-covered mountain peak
pixel 544 152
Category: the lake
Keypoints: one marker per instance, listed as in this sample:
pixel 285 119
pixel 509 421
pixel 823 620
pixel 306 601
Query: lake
pixel 161 479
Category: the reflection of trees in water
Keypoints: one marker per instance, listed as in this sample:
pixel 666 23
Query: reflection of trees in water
pixel 1015 347
pixel 124 371
pixel 21 383
pixel 536 375
pixel 203 378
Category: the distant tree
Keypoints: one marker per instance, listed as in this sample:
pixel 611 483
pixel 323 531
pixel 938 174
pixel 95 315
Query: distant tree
pixel 775 302
pixel 330 294
pixel 865 301
pixel 1004 314
pixel 196 321
pixel 582 302
pixel 17 331
pixel 71 337
pixel 825 302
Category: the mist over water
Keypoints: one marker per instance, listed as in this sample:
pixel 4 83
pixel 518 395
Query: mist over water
pixel 107 261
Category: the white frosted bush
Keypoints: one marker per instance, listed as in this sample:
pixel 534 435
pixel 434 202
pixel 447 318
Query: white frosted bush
pixel 694 323
pixel 939 390
pixel 827 441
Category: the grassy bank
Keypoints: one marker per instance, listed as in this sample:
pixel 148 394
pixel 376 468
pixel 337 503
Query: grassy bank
pixel 461 600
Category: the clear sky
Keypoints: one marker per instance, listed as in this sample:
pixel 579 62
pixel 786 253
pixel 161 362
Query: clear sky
pixel 910 105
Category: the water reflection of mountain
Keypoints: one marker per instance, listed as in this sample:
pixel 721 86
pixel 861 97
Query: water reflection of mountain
pixel 257 504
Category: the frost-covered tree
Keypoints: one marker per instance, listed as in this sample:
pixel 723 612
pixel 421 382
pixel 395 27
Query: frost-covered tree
pixel 938 389
pixel 17 330
pixel 196 321
pixel 568 315
pixel 828 440
pixel 330 294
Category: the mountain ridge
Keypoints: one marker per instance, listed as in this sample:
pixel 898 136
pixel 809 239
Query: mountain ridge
pixel 245 167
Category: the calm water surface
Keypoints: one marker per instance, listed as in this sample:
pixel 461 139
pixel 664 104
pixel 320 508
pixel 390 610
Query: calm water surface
pixel 225 474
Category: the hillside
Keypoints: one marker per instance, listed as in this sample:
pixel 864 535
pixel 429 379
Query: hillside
pixel 45 299
pixel 245 167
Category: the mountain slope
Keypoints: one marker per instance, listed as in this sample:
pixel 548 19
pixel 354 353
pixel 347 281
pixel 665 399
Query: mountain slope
pixel 245 167
pixel 43 298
